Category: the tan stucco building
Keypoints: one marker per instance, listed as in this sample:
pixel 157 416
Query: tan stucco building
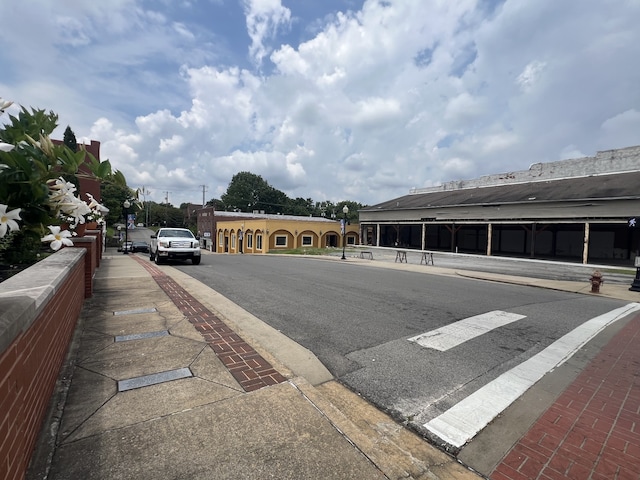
pixel 235 232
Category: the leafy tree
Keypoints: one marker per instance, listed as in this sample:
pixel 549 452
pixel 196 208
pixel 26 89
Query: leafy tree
pixel 247 192
pixel 273 201
pixel 301 207
pixel 113 197
pixel 216 203
pixel 163 214
pixel 353 207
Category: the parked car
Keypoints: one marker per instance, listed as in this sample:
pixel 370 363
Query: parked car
pixel 125 247
pixel 140 247
pixel 175 243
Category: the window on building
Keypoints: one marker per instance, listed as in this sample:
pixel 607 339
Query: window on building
pixel 307 240
pixel 281 240
pixel 249 240
pixel 351 240
pixel 259 242
pixel 233 241
pixel 221 238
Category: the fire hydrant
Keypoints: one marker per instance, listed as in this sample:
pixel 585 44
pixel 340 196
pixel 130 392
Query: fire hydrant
pixel 596 280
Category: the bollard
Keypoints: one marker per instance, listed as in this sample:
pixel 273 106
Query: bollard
pixel 596 280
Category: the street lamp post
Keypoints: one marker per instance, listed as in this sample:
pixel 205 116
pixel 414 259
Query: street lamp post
pixel 126 206
pixel 345 210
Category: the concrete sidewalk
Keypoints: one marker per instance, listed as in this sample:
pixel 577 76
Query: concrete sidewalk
pixel 168 380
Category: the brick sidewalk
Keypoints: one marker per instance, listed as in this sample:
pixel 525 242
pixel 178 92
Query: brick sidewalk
pixel 246 365
pixel 592 431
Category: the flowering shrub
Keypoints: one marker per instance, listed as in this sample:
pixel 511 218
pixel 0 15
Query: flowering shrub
pixel 38 189
pixel 72 210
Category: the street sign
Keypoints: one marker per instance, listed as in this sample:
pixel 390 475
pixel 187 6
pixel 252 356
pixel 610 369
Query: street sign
pixel 637 264
pixel 633 222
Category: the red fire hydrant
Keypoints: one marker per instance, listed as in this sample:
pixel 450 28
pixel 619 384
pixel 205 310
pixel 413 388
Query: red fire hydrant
pixel 596 280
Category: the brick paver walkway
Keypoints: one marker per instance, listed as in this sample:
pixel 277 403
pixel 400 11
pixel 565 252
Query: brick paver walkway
pixel 592 431
pixel 246 365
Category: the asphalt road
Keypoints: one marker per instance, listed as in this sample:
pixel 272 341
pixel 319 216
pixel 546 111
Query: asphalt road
pixel 357 319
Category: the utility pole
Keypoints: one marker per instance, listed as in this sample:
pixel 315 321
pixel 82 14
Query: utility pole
pixel 144 192
pixel 204 189
pixel 166 210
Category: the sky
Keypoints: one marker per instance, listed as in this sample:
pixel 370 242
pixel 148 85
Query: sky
pixel 358 100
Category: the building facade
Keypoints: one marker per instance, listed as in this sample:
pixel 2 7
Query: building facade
pixel 237 232
pixel 574 210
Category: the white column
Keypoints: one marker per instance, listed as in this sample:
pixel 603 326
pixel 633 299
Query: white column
pixel 585 250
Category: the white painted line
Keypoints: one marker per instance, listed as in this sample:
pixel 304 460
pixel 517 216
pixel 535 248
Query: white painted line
pixel 462 331
pixel 464 420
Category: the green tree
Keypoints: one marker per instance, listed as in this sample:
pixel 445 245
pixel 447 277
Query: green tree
pixel 216 203
pixel 353 207
pixel 302 207
pixel 247 192
pixel 163 214
pixel 113 197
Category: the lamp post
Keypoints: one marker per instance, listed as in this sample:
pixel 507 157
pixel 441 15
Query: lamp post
pixel 345 210
pixel 126 206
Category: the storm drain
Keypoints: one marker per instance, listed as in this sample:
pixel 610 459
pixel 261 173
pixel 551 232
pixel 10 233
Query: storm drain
pixel 141 336
pixel 153 379
pixel 137 310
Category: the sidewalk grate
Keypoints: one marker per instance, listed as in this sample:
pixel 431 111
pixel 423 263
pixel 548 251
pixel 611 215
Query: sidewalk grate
pixel 246 365
pixel 137 310
pixel 141 336
pixel 153 379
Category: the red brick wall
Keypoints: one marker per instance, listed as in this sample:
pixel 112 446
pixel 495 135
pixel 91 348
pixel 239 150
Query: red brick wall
pixel 99 241
pixel 29 370
pixel 90 260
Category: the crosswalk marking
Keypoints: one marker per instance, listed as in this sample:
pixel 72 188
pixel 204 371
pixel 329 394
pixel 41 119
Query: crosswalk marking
pixel 462 331
pixel 464 420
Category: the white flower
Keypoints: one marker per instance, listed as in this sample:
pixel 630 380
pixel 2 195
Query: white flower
pixel 95 206
pixel 58 238
pixel 8 219
pixel 61 191
pixel 6 147
pixel 4 104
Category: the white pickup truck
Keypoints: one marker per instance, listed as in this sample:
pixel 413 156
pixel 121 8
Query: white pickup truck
pixel 169 243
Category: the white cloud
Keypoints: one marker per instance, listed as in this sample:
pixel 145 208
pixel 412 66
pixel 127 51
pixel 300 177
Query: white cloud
pixel 463 109
pixel 377 100
pixel 530 75
pixel 264 19
pixel 621 129
pixel 168 145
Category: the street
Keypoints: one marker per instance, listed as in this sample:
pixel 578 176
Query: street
pixel 359 320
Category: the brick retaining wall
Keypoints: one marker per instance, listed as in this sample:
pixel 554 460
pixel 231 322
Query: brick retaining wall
pixel 39 308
